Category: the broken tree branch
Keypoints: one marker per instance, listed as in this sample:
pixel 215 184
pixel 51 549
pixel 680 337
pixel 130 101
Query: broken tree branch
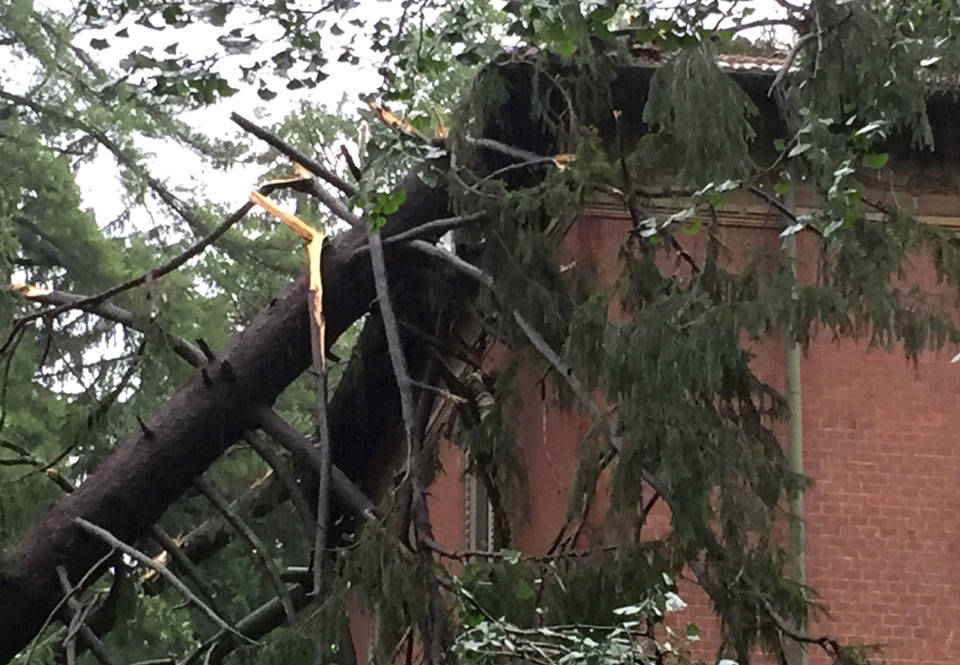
pixel 301 448
pixel 297 156
pixel 314 242
pixel 154 273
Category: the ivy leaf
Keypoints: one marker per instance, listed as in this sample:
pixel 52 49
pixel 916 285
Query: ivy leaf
pixel 876 160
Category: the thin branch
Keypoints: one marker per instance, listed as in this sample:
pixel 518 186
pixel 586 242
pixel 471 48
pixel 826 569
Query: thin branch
pixel 256 545
pixel 518 154
pixel 301 448
pixel 437 226
pixel 92 641
pixel 394 346
pixel 283 471
pixel 297 156
pixel 190 569
pixel 186 350
pixel 77 588
pixel 782 209
pixel 318 345
pixel 134 553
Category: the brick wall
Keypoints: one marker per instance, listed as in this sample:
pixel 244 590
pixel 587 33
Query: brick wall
pixel 881 442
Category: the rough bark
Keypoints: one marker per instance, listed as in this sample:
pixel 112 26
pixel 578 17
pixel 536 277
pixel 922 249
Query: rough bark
pixel 154 466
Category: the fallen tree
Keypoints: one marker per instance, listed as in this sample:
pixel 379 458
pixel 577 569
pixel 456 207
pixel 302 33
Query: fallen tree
pixel 154 466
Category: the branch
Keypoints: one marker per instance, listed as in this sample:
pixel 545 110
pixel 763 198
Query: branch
pixel 256 545
pixel 92 641
pixel 436 227
pixel 134 553
pixel 189 569
pixel 158 188
pixel 551 357
pixel 314 240
pixel 301 448
pixel 160 271
pixel 394 346
pixel 312 165
pixel 284 473
pixel 782 209
pixel 189 352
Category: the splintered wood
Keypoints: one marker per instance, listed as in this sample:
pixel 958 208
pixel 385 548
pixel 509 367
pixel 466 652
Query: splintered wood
pixel 314 240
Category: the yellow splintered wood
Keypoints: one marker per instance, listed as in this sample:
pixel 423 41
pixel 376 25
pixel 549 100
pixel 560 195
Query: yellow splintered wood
pixel 314 240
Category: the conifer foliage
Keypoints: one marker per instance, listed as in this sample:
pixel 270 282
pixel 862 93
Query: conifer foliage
pixel 200 462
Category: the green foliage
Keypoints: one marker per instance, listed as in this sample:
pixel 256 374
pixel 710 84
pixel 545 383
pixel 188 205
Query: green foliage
pixel 710 146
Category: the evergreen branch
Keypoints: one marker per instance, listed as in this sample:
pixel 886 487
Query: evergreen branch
pixel 134 553
pixel 109 311
pixel 193 355
pixel 256 545
pixel 168 267
pixel 297 156
pixel 90 639
pixel 551 356
pixel 158 188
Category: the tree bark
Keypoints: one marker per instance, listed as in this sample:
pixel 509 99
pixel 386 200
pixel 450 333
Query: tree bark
pixel 154 466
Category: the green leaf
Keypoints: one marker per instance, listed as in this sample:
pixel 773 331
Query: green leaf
pixel 799 149
pixel 692 227
pixel 99 44
pixel 876 160
pixel 565 47
pixel 523 591
pixel 779 145
pixel 171 14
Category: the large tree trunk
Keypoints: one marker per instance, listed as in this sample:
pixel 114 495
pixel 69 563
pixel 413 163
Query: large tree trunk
pixel 154 466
